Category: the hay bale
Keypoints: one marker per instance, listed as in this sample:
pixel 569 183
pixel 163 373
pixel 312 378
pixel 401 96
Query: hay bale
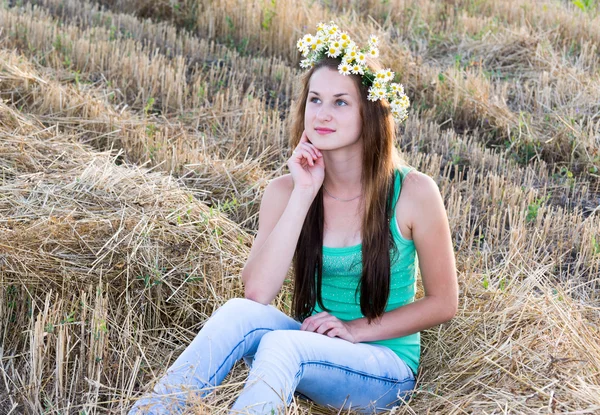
pixel 106 270
pixel 523 347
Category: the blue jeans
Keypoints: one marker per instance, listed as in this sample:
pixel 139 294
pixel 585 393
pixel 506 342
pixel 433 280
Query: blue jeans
pixel 283 359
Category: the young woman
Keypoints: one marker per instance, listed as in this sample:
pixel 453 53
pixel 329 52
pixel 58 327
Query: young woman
pixel 353 220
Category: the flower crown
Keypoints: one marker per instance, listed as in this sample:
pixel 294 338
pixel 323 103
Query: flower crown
pixel 329 41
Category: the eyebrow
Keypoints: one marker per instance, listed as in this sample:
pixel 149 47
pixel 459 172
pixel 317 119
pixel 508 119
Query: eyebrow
pixel 336 95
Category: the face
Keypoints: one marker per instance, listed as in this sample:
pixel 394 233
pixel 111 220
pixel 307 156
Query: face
pixel 332 117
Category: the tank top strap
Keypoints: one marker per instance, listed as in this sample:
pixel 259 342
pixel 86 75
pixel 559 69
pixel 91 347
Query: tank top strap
pixel 401 173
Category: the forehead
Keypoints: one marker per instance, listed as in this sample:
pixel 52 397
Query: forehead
pixel 327 81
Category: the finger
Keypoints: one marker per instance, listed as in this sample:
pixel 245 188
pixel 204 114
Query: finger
pixel 305 324
pixel 312 324
pixel 333 332
pixel 301 154
pixel 313 318
pixel 326 321
pixel 310 145
pixel 325 326
pixel 311 149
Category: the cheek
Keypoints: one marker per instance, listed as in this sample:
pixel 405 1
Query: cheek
pixel 308 114
pixel 357 123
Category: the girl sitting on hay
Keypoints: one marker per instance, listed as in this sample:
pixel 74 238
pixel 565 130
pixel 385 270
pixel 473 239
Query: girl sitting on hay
pixel 353 219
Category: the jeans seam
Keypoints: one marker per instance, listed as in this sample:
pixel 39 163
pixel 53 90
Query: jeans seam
pixel 346 369
pixel 233 350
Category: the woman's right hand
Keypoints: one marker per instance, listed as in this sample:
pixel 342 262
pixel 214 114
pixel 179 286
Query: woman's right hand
pixel 307 167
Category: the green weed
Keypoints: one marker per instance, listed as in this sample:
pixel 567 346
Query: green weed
pixel 149 106
pixel 585 5
pixel 533 208
pixel 269 13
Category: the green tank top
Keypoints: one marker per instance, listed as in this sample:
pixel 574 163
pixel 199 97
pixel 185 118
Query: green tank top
pixel 342 270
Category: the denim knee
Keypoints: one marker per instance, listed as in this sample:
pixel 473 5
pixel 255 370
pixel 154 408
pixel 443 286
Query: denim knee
pixel 279 350
pixel 241 309
pixel 239 305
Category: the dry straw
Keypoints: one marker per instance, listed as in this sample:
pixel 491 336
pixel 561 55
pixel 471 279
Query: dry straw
pixel 108 269
pixel 105 268
pixel 151 141
pixel 163 63
pixel 113 269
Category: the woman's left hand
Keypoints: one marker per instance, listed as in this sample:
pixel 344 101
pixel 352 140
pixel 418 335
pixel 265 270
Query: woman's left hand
pixel 325 323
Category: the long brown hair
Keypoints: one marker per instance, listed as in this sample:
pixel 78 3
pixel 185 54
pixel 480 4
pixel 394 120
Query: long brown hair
pixel 379 161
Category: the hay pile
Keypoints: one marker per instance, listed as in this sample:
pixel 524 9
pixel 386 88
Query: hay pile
pixel 108 271
pixel 231 185
pixel 105 271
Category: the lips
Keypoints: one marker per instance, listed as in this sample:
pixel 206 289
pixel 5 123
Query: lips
pixel 322 130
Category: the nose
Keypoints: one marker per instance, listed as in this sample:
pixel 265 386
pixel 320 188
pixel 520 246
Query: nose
pixel 323 114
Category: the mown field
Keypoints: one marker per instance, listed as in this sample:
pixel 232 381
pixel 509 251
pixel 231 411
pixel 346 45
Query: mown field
pixel 137 136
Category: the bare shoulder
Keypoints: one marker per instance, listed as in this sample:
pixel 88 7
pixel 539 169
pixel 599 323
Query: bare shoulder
pixel 420 201
pixel 279 189
pixel 274 200
pixel 420 188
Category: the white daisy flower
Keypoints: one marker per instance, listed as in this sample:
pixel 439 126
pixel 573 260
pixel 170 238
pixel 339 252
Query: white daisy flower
pixel 324 36
pixel 320 43
pixel 373 52
pixel 361 58
pixel 352 53
pixel 397 88
pixel 405 102
pixel 307 63
pixel 380 76
pixel 336 44
pixel 309 39
pixel 373 40
pixel 400 104
pixel 399 116
pixel 372 96
pixel 376 94
pixel 344 68
pixel 396 105
pixel 333 52
pixel 358 69
pixel 389 75
pixel 344 37
pixel 380 93
pixel 332 29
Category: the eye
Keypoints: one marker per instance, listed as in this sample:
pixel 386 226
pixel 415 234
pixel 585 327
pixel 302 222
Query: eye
pixel 341 101
pixel 313 99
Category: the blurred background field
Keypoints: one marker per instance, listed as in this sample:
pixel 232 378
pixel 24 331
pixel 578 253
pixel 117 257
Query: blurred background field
pixel 137 136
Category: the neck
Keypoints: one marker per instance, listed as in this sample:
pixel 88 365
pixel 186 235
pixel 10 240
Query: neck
pixel 343 173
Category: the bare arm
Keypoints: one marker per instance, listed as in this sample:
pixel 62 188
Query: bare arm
pixel 431 235
pixel 281 216
pixel 282 212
